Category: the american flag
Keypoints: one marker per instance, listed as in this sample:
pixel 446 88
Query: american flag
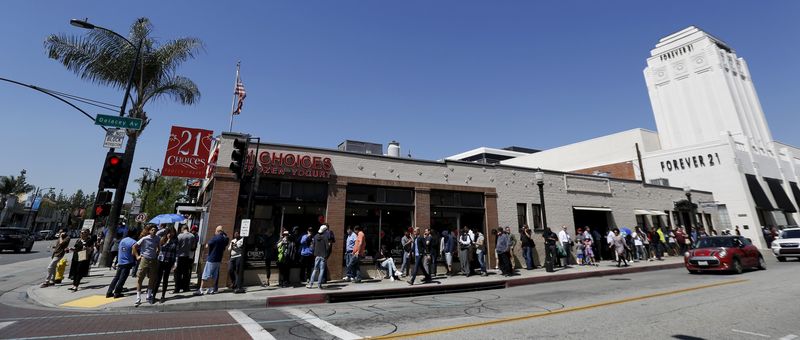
pixel 241 94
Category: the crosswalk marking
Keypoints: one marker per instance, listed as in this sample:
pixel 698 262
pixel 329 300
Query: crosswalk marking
pixel 250 326
pixel 323 325
pixel 789 337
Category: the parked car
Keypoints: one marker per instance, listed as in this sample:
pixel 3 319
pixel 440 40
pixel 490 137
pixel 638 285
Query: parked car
pixel 16 239
pixel 45 234
pixel 723 253
pixel 787 244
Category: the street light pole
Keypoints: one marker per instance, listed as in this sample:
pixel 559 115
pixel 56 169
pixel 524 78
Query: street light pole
pixel 119 195
pixel 688 191
pixel 539 177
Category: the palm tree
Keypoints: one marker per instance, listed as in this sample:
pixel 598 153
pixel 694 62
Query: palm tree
pixel 104 58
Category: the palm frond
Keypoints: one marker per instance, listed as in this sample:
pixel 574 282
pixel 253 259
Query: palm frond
pixel 179 88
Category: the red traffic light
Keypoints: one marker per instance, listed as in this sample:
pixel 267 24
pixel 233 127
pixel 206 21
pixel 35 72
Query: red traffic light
pixel 113 160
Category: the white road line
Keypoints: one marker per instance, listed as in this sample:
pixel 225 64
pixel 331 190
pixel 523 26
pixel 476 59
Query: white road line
pixel 750 333
pixel 250 326
pixel 788 337
pixel 323 325
pixel 6 324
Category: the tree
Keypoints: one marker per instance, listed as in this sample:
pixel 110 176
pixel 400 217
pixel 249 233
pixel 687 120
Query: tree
pixel 159 197
pixel 104 58
pixel 12 186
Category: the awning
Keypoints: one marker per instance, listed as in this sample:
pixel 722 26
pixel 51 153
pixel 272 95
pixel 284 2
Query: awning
pixel 795 191
pixel 657 213
pixel 642 212
pixel 592 208
pixel 758 193
pixel 781 199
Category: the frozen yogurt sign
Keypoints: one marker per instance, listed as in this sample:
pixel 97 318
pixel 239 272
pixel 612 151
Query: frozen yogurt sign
pixel 294 164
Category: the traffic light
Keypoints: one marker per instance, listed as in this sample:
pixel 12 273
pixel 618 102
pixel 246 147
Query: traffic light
pixel 112 171
pixel 239 157
pixel 102 204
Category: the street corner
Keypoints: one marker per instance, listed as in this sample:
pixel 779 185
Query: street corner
pixel 91 301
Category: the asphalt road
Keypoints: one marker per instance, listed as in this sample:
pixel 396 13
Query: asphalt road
pixel 40 249
pixel 669 304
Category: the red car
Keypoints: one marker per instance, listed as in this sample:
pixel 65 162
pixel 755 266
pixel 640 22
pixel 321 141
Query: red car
pixel 723 253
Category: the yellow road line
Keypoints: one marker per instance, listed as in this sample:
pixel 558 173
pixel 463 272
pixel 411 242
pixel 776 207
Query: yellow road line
pixel 555 312
pixel 91 301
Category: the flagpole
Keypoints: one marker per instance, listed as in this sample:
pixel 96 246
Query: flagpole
pixel 233 102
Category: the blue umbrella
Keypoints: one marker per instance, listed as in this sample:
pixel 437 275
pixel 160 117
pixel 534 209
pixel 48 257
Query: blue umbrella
pixel 626 230
pixel 167 218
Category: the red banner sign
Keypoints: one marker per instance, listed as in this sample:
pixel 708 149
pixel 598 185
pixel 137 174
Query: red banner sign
pixel 187 152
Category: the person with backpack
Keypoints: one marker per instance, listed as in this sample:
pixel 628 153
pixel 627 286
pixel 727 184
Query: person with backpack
pixel 322 250
pixel 464 245
pixel 286 249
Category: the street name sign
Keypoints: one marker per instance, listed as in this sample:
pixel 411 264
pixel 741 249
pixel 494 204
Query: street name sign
pixel 244 229
pixel 119 122
pixel 114 138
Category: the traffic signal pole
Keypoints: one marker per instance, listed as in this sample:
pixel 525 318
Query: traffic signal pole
pixel 254 177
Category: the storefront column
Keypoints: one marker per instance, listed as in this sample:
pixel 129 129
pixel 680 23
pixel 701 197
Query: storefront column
pixel 337 196
pixel 490 201
pixel 221 211
pixel 422 207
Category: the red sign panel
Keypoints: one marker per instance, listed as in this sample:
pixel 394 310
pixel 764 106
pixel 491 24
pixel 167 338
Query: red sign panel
pixel 187 152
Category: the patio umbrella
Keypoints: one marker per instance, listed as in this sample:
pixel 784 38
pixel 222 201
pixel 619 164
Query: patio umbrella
pixel 167 218
pixel 626 230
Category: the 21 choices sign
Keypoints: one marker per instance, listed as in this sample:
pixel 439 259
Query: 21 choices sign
pixel 187 152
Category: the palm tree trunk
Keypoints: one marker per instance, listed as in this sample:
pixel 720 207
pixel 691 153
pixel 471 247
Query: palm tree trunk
pixel 119 197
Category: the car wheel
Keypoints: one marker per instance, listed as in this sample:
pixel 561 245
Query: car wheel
pixel 28 250
pixel 17 250
pixel 737 267
pixel 762 265
pixel 781 259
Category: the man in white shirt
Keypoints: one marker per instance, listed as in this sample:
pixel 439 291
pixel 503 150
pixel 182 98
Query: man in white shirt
pixel 565 240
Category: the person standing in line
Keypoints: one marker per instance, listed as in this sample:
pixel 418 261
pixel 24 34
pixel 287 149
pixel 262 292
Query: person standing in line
pixel 579 247
pixel 550 239
pixel 639 244
pixel 426 236
pixel 406 244
pixel 526 240
pixel 166 260
pixel 448 248
pixel 285 248
pixel 184 262
pixel 59 250
pixel 512 249
pixel 619 246
pixel 270 254
pixel 348 254
pixel 146 251
pixel 610 242
pixel 566 242
pixel 306 255
pixel 359 252
pixel 433 246
pixel 124 265
pixel 480 252
pixel 215 248
pixel 235 249
pixel 322 250
pixel 597 239
pixel 737 232
pixel 503 247
pixel 418 247
pixel 661 243
pixel 464 245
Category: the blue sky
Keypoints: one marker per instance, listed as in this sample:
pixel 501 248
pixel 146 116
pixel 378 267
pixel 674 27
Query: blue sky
pixel 441 77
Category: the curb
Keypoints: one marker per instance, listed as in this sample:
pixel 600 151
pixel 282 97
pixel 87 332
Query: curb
pixel 427 289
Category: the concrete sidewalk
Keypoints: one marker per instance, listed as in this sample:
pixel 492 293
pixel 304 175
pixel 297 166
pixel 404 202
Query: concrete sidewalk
pixel 91 296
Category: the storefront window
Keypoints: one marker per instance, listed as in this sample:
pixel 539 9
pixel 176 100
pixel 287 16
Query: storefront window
pixel 452 211
pixel 537 216
pixel 384 213
pixel 522 215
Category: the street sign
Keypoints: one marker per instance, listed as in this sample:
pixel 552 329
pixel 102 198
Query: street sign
pixel 141 217
pixel 119 122
pixel 114 138
pixel 88 224
pixel 244 230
